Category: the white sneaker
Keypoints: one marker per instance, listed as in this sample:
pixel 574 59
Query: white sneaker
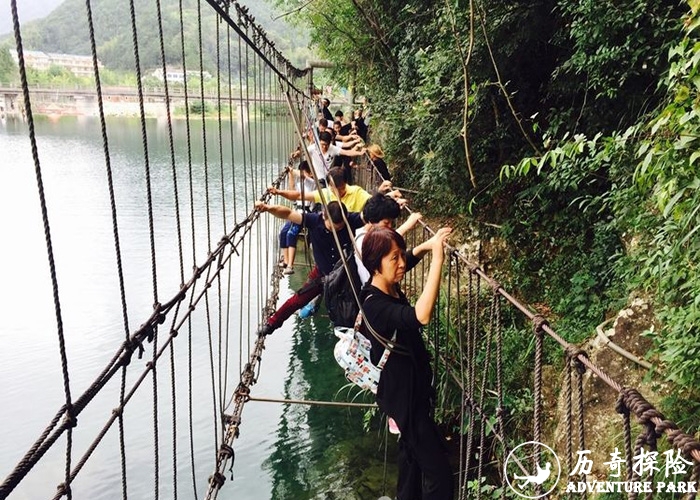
pixel 288 270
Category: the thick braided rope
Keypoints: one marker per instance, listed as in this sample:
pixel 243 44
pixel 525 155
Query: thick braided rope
pixel 501 410
pixel 463 463
pixel 482 394
pixel 472 326
pixel 537 323
pixel 569 414
pixel 149 197
pixel 69 411
pixel 115 230
pixel 173 392
pixel 188 130
pixel 221 308
pixel 622 409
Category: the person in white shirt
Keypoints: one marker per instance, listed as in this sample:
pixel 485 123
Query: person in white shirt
pixel 322 156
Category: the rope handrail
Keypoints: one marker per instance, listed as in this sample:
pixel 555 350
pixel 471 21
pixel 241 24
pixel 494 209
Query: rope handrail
pixel 223 7
pixel 642 409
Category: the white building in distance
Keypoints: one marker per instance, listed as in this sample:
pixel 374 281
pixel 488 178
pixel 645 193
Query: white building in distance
pixel 176 75
pixel 78 65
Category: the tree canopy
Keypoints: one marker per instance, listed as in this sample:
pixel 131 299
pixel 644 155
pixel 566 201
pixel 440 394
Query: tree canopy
pixel 65 32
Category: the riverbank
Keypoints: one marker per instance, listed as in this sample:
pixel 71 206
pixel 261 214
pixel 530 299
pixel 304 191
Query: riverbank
pixel 126 102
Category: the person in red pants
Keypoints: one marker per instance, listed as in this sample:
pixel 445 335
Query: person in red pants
pixel 326 254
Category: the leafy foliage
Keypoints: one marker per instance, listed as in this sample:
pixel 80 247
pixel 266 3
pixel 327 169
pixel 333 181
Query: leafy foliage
pixel 651 199
pixel 8 68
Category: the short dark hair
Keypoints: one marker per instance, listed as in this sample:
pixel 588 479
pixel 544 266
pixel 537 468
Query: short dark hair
pixel 377 244
pixel 339 113
pixel 336 211
pixel 326 101
pixel 337 175
pixel 380 207
pixel 325 137
pixel 304 166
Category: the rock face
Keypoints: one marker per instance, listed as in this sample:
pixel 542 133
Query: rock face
pixel 602 424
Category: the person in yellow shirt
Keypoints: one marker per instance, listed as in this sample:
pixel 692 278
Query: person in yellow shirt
pixel 353 197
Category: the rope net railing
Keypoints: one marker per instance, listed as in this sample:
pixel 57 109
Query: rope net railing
pixel 225 283
pixel 213 162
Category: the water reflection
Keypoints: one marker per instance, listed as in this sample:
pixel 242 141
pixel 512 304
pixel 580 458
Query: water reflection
pixel 322 451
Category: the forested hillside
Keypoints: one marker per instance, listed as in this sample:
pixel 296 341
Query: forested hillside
pixel 64 30
pixel 565 128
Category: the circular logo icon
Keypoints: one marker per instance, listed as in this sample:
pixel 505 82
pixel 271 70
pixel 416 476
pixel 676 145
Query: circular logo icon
pixel 532 470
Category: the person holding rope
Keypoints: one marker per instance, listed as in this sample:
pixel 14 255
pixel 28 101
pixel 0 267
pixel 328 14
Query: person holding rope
pixel 326 253
pixel 353 197
pixel 323 154
pixel 376 157
pixel 303 180
pixel 405 392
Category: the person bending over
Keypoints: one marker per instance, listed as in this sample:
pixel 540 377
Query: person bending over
pixel 320 227
pixel 405 392
pixel 353 197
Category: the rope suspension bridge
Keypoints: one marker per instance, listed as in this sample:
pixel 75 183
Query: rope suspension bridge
pixel 227 283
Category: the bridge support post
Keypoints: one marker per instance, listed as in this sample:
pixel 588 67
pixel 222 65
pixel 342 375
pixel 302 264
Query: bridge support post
pixel 310 65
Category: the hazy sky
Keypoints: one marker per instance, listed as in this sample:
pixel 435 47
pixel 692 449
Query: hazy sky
pixel 26 10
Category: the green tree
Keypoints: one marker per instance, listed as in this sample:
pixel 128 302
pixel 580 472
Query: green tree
pixel 9 73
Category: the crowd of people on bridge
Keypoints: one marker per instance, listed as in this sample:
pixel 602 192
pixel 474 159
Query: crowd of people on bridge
pixel 342 218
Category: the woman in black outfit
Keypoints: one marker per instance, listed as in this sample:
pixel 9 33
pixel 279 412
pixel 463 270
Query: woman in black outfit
pixel 405 391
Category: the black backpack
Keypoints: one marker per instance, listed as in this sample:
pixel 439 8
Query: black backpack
pixel 337 292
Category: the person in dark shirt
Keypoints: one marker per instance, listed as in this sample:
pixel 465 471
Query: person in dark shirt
pixel 405 392
pixel 358 124
pixel 320 227
pixel 325 102
pixel 376 156
pixel 344 127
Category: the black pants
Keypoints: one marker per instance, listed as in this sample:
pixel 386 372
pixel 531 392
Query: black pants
pixel 424 469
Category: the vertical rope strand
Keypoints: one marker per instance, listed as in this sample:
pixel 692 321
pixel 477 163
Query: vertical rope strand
pixel 115 232
pixel 188 130
pixel 49 247
pixel 144 138
pixel 171 145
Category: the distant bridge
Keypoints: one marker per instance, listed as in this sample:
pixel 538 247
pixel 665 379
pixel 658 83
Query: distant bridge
pixel 83 100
